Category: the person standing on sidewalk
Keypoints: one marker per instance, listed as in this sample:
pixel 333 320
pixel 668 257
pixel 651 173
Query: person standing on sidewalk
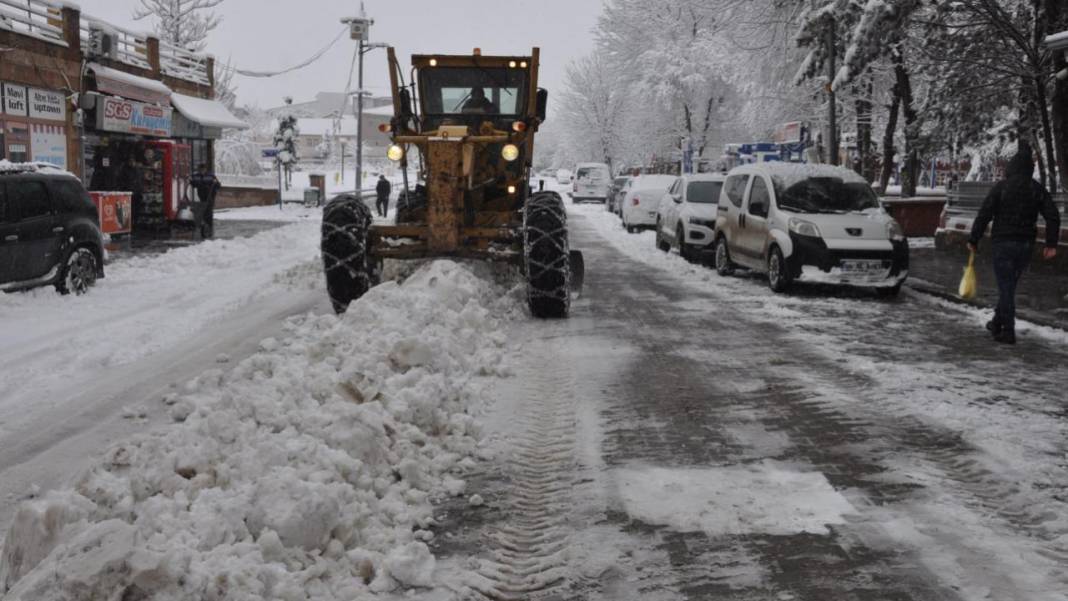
pixel 207 186
pixel 1014 205
pixel 383 189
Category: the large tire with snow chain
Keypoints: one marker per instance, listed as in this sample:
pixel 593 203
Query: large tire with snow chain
pixel 350 270
pixel 546 255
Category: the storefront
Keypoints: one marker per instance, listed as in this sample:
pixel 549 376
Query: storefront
pixel 33 125
pixel 129 147
pixel 145 139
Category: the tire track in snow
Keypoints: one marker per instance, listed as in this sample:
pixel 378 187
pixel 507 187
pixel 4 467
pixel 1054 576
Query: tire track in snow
pixel 527 551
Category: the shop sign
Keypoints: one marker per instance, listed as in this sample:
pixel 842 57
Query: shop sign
pixel 46 104
pixel 15 102
pixel 131 117
pixel 49 144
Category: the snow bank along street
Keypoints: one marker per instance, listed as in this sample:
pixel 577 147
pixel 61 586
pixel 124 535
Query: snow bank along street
pixel 306 472
pixel 77 372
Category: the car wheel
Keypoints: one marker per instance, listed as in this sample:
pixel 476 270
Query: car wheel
pixel 661 244
pixel 779 278
pixel 680 237
pixel 889 291
pixel 78 273
pixel 724 267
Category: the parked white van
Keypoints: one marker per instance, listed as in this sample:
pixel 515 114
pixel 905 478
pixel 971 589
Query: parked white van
pixel 810 223
pixel 591 182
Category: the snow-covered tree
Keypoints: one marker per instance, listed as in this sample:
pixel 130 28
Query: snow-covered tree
pixel 182 23
pixel 285 142
pixel 239 151
pixel 591 108
pixel 670 54
pixel 225 90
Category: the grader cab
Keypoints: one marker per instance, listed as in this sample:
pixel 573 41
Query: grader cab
pixel 463 137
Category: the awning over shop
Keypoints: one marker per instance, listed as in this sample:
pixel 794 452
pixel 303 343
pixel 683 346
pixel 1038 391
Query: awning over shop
pixel 208 113
pixel 120 83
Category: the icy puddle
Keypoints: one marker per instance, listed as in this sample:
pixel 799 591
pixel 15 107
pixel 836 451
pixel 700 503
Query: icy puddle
pixel 759 499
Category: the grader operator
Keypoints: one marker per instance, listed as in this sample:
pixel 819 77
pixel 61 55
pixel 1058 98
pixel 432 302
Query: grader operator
pixel 468 138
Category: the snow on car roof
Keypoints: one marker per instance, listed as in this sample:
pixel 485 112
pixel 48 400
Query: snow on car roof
pixel 7 166
pixel 788 174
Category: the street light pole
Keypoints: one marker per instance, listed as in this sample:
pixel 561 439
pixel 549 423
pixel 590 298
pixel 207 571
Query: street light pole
pixel 359 125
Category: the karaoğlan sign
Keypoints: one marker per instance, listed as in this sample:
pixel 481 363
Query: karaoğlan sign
pixel 125 116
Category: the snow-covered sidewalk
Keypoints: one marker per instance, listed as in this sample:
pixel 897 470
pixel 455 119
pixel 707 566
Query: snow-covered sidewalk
pixel 145 304
pixel 306 472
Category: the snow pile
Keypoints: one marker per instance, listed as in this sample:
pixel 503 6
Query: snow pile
pixel 306 473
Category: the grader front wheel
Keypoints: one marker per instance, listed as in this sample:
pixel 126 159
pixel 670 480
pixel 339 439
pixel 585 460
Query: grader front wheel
pixel 546 255
pixel 350 270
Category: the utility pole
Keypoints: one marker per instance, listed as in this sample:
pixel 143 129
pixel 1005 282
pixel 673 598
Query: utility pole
pixel 832 103
pixel 359 30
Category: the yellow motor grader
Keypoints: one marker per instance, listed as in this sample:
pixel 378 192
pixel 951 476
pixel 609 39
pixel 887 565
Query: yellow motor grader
pixel 470 121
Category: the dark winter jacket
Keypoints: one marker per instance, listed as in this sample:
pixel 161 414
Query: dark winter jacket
pixel 206 185
pixel 1014 205
pixel 383 188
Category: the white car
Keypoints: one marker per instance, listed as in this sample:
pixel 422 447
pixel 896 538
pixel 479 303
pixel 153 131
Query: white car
pixel 813 223
pixel 592 182
pixel 640 203
pixel 686 218
pixel 563 176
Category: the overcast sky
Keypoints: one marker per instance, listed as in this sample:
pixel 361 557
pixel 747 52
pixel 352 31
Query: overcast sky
pixel 267 35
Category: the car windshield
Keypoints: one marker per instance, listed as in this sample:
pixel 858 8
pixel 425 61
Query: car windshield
pixel 473 90
pixel 703 192
pixel 826 195
pixel 590 173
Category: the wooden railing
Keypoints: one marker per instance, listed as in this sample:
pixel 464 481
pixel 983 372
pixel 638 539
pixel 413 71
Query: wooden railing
pixel 41 19
pixel 183 64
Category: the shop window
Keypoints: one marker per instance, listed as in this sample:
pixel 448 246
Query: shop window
pixel 18 153
pixel 201 153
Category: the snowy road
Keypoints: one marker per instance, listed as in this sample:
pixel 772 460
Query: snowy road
pixel 686 436
pixel 77 373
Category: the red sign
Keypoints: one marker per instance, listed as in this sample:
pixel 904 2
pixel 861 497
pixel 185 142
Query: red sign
pixel 115 210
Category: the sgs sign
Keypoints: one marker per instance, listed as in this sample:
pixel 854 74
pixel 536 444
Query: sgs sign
pixel 115 109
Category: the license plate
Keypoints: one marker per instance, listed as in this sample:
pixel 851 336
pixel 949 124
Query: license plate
pixel 861 266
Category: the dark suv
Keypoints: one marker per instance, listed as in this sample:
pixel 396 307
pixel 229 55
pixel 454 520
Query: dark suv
pixel 49 230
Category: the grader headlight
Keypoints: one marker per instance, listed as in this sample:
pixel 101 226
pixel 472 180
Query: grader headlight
pixel 510 152
pixel 395 153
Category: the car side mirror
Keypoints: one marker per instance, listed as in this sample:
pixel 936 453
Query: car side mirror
pixel 676 197
pixel 543 104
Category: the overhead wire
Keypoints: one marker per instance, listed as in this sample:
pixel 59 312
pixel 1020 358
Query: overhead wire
pixel 315 57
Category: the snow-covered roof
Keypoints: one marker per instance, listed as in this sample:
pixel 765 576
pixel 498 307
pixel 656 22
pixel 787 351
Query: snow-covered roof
pixel 385 110
pixel 320 127
pixel 7 166
pixel 129 78
pixel 788 174
pixel 211 113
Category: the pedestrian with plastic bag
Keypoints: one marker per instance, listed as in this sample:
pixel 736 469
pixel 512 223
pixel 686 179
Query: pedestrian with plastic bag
pixel 1014 205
